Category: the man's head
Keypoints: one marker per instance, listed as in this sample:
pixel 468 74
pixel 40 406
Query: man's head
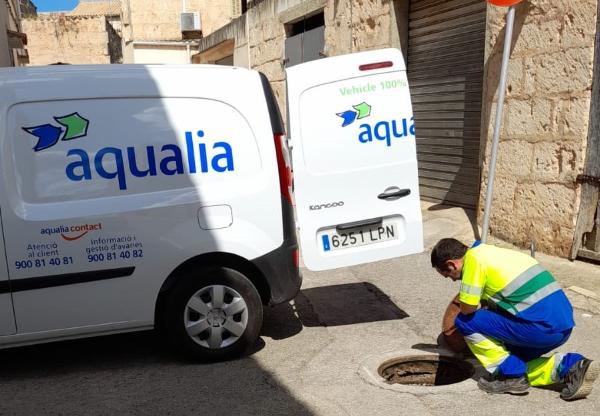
pixel 447 257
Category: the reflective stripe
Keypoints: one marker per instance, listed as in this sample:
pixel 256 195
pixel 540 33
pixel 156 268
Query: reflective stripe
pixel 493 367
pixel 471 290
pixel 525 290
pixel 521 279
pixel 475 338
pixel 537 296
pixel 544 371
pixel 555 370
pixel 489 352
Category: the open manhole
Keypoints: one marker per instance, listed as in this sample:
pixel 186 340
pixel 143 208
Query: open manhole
pixel 425 370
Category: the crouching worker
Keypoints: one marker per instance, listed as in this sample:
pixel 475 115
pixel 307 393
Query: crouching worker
pixel 528 315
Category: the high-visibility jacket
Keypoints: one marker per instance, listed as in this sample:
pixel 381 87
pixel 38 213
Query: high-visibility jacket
pixel 517 284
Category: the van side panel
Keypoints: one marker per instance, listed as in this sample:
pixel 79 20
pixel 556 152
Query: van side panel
pixel 107 174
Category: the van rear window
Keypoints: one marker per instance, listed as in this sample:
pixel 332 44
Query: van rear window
pixel 83 149
pixel 357 123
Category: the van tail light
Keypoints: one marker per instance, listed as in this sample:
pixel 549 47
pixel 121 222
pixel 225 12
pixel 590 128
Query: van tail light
pixel 284 166
pixel 376 65
pixel 296 258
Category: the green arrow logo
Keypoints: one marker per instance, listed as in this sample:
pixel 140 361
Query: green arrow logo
pixel 76 125
pixel 364 110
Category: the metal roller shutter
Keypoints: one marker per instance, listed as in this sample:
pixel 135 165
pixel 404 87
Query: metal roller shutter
pixel 446 42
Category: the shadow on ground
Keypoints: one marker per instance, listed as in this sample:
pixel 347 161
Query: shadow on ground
pixel 137 374
pixel 345 304
pixel 134 374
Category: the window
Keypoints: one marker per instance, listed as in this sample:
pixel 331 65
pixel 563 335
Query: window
pixel 306 40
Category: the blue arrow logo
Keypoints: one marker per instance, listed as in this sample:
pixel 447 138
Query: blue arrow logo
pixel 361 110
pixel 348 116
pixel 47 135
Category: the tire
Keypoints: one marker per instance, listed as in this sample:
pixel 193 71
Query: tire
pixel 213 314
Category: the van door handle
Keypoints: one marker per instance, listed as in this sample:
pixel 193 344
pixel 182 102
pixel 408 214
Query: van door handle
pixel 358 224
pixel 396 194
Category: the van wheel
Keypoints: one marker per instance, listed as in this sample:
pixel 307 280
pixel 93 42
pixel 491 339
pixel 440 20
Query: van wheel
pixel 213 314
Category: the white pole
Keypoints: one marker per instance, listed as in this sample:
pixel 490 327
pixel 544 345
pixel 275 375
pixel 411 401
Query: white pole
pixel 510 19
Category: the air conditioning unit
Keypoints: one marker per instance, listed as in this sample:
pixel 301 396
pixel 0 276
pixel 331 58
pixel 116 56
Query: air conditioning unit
pixel 190 22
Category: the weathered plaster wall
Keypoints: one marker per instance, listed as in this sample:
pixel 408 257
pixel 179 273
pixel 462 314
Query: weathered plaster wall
pixel 71 39
pixel 545 121
pixel 158 54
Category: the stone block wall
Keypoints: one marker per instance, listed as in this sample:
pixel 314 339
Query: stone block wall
pixel 71 39
pixel 545 122
pixel 159 19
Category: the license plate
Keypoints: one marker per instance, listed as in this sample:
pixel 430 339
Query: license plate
pixel 333 240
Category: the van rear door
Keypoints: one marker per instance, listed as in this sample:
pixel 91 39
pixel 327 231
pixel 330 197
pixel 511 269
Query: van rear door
pixel 354 157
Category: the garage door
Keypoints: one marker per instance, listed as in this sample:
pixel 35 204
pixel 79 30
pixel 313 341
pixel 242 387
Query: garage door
pixel 445 69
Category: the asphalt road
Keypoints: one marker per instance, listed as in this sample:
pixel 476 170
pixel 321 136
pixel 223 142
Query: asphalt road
pixel 307 361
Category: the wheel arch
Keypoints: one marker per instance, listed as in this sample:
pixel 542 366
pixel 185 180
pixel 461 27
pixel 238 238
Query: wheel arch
pixel 218 259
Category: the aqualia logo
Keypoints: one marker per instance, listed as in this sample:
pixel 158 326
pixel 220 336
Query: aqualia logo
pixel 384 130
pixel 113 163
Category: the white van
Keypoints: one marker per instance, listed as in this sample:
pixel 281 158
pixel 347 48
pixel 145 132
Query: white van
pixel 135 197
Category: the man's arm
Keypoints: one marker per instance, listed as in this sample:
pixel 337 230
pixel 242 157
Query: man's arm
pixel 466 309
pixel 473 279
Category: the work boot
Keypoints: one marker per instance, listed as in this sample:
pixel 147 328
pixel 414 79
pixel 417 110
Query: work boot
pixel 501 384
pixel 579 379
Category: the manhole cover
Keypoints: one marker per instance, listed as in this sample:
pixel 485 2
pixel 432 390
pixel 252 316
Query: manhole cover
pixel 425 370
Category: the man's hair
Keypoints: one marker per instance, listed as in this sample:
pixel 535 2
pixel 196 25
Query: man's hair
pixel 447 249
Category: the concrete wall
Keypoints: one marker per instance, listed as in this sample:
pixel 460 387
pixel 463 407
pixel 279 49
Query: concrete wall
pixel 161 54
pixel 545 124
pixel 70 39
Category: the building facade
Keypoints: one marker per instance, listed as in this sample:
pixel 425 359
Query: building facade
pixel 89 34
pixel 453 51
pixel 13 40
pixel 167 31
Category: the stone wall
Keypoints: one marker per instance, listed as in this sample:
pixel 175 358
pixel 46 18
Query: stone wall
pixel 159 19
pixel 350 26
pixel 70 39
pixel 12 51
pixel 545 123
